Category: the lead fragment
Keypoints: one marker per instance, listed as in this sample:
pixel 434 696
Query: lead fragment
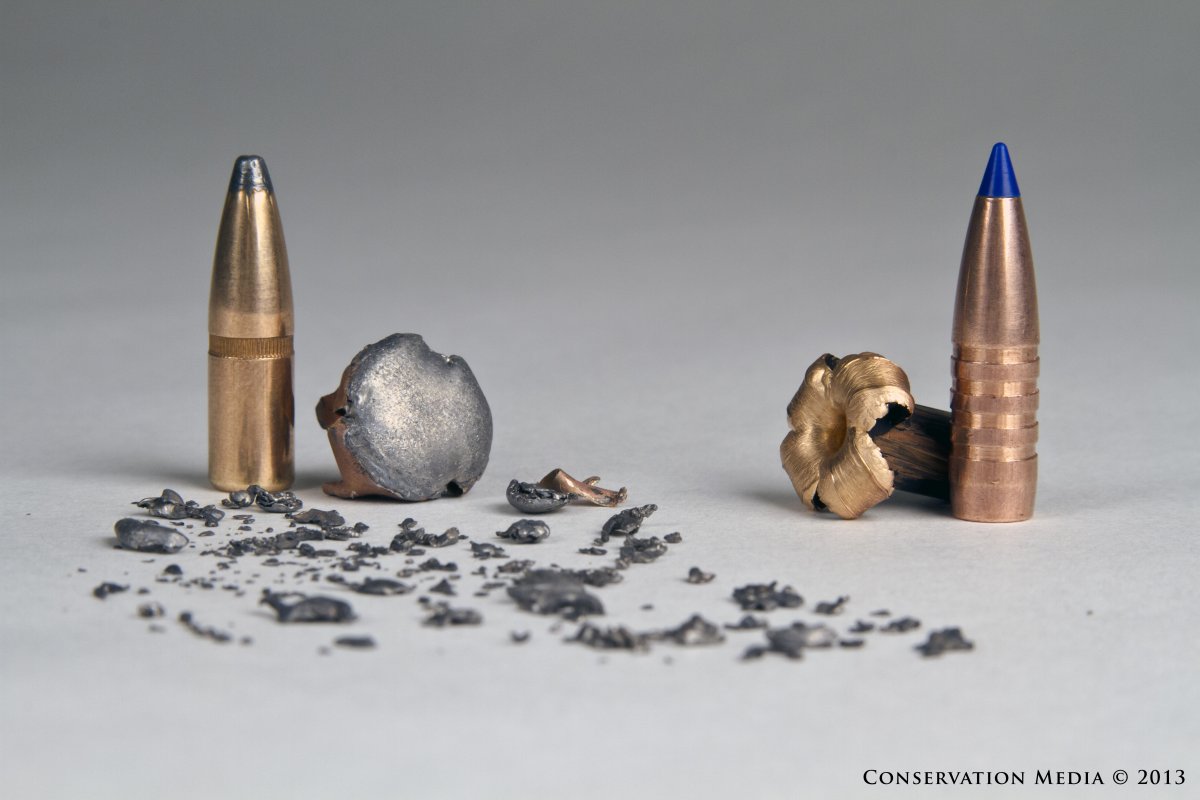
pixel 765 597
pixel 530 498
pixel 295 607
pixel 105 589
pixel 526 531
pixel 147 536
pixel 626 523
pixel 697 575
pixel 551 591
pixel 946 640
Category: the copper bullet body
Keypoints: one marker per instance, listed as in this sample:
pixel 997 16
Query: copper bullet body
pixel 994 395
pixel 251 412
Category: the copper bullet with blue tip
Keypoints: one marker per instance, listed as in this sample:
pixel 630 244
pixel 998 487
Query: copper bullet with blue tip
pixel 995 365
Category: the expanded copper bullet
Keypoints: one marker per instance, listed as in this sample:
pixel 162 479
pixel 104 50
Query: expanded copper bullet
pixel 994 395
pixel 251 413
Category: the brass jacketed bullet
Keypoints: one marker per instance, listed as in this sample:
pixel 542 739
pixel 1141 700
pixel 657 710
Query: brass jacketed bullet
pixel 251 414
pixel 994 395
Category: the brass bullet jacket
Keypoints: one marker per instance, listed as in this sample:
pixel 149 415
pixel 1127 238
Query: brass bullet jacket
pixel 251 411
pixel 994 395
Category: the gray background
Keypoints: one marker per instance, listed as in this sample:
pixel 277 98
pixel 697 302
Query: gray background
pixel 639 223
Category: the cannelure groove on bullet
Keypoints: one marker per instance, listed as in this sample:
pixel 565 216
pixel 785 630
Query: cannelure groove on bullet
pixel 251 411
pixel 995 364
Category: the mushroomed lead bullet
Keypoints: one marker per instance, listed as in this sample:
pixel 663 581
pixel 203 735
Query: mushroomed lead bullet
pixel 994 395
pixel 251 412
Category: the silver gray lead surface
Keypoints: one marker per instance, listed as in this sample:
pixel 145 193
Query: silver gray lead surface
pixel 407 423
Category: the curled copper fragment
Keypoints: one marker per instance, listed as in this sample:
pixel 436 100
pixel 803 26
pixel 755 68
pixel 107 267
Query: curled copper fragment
pixel 583 491
pixel 829 454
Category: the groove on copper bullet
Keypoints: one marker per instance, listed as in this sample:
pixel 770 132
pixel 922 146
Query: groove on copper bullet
pixel 250 351
pixel 995 364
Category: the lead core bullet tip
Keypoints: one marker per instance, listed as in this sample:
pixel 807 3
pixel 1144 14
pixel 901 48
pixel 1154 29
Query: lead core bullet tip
pixel 999 180
pixel 250 175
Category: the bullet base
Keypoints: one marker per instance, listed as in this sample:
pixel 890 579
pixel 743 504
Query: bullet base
pixel 250 422
pixel 992 491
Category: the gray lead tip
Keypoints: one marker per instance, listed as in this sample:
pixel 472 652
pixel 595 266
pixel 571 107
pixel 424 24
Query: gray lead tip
pixel 250 175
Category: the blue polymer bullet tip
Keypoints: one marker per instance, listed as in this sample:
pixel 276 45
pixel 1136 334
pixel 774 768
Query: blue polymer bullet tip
pixel 999 180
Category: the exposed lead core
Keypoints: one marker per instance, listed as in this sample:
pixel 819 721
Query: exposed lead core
pixel 250 325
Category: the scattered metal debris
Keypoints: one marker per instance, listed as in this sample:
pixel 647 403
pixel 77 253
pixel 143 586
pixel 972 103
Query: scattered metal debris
pixel 598 576
pixel 697 575
pixel 170 505
pixel 673 538
pixel 514 567
pixel 411 535
pixel 303 608
pixel 583 491
pixel 271 503
pixel 593 551
pixel 947 640
pixel 148 536
pixel 553 591
pixel 105 589
pixel 626 523
pixel 862 626
pixel 765 597
pixel 526 531
pixel 530 498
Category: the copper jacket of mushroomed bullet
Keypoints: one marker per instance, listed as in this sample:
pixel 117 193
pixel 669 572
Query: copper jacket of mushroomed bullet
pixel 994 396
pixel 250 324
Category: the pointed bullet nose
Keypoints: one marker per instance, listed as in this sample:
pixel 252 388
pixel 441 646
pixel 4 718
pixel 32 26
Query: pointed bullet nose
pixel 999 180
pixel 250 175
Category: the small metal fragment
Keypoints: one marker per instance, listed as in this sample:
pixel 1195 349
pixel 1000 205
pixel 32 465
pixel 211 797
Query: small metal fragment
pixel 441 615
pixel 168 505
pixel 517 565
pixel 150 610
pixel 673 538
pixel 432 564
pixel 307 609
pixel 444 587
pixel 851 643
pixel 593 551
pixel 765 597
pixel 627 522
pixel 946 640
pixel 793 640
pixel 615 638
pixel 552 591
pixel 411 536
pixel 598 576
pixel 862 626
pixel 693 632
pixel 105 589
pixel 834 607
pixel 315 516
pixel 583 491
pixel 384 587
pixel 530 498
pixel 483 550
pixel 901 625
pixel 355 642
pixel 526 531
pixel 747 623
pixel 519 637
pixel 238 499
pixel 697 575
pixel 148 536
pixel 642 551
pixel 204 631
